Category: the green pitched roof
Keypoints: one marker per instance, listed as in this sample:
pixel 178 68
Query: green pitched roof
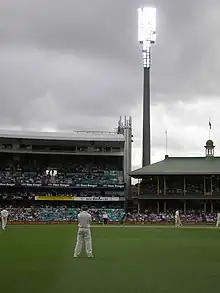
pixel 181 166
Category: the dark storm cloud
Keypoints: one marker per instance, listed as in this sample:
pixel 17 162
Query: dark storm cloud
pixel 70 63
pixel 186 63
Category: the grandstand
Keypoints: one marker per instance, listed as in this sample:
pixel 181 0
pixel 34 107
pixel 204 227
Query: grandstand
pixel 47 176
pixel 190 184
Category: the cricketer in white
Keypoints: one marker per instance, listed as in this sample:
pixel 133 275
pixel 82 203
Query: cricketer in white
pixel 218 220
pixel 4 217
pixel 84 233
pixel 178 222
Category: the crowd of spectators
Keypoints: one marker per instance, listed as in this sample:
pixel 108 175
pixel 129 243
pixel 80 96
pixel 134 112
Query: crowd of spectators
pixel 168 217
pixel 172 189
pixel 76 175
pixel 61 213
pixel 30 196
pixel 115 214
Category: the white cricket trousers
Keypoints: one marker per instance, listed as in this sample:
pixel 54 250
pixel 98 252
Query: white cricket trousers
pixel 178 222
pixel 83 236
pixel 4 222
pixel 218 222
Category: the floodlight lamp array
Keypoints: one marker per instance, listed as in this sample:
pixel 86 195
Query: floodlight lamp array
pixel 147 24
pixel 147 32
pixel 146 52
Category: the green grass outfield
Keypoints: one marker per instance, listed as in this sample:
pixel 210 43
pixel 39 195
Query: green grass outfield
pixel 38 259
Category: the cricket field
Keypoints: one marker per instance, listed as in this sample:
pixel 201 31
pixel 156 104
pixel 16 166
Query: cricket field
pixel 157 259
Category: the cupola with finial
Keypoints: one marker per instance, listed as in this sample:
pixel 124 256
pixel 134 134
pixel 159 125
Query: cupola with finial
pixel 209 148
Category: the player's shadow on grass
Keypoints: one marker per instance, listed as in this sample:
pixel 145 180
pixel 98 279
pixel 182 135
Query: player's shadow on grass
pixel 83 256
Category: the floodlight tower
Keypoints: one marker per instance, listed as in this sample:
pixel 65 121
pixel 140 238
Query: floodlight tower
pixel 146 37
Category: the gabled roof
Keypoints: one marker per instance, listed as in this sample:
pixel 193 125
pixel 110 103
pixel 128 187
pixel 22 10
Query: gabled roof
pixel 181 166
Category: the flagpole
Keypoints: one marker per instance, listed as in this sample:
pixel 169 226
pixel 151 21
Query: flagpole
pixel 210 127
pixel 166 141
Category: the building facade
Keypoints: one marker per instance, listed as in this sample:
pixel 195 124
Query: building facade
pixel 78 166
pixel 186 183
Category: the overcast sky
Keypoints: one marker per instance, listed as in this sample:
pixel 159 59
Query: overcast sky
pixel 77 65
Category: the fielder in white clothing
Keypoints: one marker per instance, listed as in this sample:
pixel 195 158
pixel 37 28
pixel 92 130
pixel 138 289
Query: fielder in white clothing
pixel 84 233
pixel 177 219
pixel 105 219
pixel 218 220
pixel 4 217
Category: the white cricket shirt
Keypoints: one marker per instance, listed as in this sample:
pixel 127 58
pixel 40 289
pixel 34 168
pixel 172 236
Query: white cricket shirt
pixel 4 213
pixel 218 216
pixel 84 219
pixel 105 216
pixel 177 214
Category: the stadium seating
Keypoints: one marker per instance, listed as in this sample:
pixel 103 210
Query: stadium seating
pixel 168 217
pixel 150 188
pixel 115 215
pixel 61 213
pixel 79 176
pixel 64 213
